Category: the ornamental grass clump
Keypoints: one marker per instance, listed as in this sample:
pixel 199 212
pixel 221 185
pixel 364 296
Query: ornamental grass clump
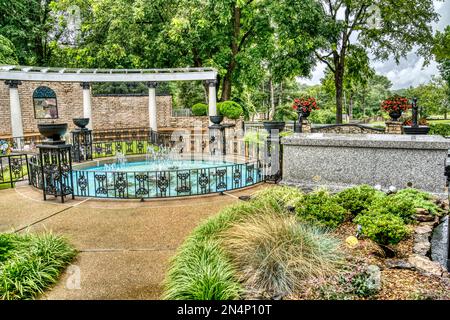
pixel 321 208
pixel 284 196
pixel 275 254
pixel 201 271
pixel 31 263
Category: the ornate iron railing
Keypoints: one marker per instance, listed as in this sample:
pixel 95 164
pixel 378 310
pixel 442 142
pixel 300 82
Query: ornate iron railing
pixel 164 184
pixel 13 168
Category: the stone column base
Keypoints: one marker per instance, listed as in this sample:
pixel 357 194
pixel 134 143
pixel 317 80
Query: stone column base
pixel 394 127
pixel 306 126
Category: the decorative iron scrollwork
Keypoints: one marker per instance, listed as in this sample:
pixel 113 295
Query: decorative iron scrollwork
pixel 183 184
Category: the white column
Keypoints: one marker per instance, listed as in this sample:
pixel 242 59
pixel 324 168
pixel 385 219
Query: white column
pixel 87 104
pixel 152 105
pixel 212 98
pixel 16 112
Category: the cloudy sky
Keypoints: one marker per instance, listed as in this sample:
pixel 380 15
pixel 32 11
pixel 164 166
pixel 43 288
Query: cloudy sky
pixel 410 71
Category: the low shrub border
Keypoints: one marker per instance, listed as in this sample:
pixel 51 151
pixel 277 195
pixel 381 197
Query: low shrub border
pixel 31 263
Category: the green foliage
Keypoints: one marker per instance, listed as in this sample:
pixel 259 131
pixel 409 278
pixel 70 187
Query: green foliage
pixel 442 129
pixel 322 208
pixel 201 272
pixel 358 199
pixel 418 199
pixel 6 246
pixel 398 206
pixel 361 286
pixel 7 51
pixel 384 228
pixel 199 109
pixel 33 262
pixel 322 116
pixel 285 196
pixel 403 204
pixel 274 253
pixel 230 109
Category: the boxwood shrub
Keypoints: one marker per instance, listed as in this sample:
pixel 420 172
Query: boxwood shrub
pixel 230 109
pixel 199 109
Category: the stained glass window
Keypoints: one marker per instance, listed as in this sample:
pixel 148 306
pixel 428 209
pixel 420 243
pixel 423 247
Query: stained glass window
pixel 45 104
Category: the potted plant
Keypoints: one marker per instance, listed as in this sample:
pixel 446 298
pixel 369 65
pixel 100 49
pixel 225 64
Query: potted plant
pixel 304 106
pixel 5 148
pixel 395 106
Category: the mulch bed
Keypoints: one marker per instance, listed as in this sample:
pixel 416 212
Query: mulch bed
pixel 397 284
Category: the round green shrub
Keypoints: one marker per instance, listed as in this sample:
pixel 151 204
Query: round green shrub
pixel 230 109
pixel 358 199
pixel 384 228
pixel 321 208
pixel 399 206
pixel 199 109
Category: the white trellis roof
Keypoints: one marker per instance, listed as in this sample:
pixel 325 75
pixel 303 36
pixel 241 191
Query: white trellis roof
pixel 27 73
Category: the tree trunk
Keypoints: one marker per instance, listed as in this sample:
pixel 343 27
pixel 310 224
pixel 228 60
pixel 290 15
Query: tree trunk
pixel 280 96
pixel 350 108
pixel 234 46
pixel 339 84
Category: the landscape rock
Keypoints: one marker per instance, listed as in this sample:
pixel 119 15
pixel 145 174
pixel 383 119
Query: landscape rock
pixel 424 218
pixel 422 211
pixel 374 279
pixel 445 205
pixel 425 265
pixel 424 229
pixel 422 247
pixel 398 264
pixel 439 243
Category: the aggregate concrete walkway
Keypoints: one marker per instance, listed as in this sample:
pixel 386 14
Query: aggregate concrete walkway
pixel 125 246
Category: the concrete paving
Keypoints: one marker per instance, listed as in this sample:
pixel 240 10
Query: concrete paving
pixel 125 246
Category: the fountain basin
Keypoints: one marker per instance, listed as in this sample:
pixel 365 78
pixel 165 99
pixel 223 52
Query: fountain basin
pixel 53 132
pixel 139 178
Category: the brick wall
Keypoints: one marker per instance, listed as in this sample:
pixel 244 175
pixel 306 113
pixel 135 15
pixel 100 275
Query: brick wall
pixel 108 112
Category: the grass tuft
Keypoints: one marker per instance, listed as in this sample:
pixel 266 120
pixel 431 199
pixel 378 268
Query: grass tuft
pixel 275 254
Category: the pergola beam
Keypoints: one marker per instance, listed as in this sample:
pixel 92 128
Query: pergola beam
pixel 101 75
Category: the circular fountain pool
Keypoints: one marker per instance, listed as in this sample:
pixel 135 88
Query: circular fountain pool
pixel 144 178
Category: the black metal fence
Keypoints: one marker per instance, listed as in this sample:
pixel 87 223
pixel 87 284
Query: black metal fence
pixel 169 183
pixel 13 168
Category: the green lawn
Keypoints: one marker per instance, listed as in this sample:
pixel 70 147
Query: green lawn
pixel 6 177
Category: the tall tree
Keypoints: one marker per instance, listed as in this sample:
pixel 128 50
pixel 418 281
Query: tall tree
pixel 29 25
pixel 441 51
pixel 382 27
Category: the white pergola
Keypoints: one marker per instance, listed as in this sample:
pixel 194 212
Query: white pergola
pixel 13 75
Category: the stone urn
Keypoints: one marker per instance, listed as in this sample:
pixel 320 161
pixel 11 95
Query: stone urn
pixel 81 122
pixel 53 132
pixel 395 115
pixel 274 125
pixel 216 119
pixel 305 114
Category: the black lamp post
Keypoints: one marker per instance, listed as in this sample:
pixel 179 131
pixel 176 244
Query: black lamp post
pixel 415 128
